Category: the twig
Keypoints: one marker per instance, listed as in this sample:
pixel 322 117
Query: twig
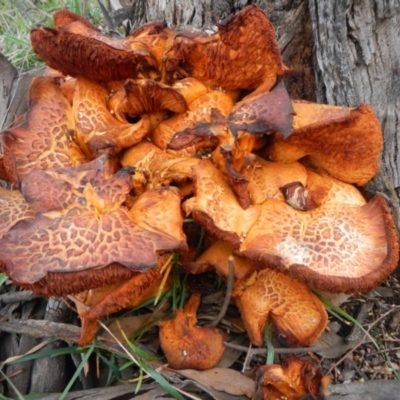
pixel 278 350
pixel 383 316
pixel 228 294
pixel 16 297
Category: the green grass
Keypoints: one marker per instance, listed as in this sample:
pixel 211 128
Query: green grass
pixel 18 17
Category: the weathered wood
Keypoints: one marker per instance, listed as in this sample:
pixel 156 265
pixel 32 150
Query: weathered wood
pixel 7 76
pixel 357 59
pixel 371 390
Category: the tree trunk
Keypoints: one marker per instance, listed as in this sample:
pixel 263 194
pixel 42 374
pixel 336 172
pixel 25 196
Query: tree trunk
pixel 343 52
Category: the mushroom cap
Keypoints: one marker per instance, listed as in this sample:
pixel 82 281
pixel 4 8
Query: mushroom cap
pixel 145 96
pixel 78 49
pixel 266 178
pixel 88 186
pixel 236 57
pixel 215 206
pixel 344 142
pixel 335 247
pixel 187 346
pixel 80 241
pixel 200 111
pixel 190 88
pixel 13 208
pixel 263 113
pixel 297 313
pixel 42 140
pixel 160 208
pixel 295 378
pixel 98 130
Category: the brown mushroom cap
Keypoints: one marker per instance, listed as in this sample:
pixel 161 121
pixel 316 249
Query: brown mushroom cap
pixel 294 379
pixel 145 96
pixel 200 111
pixel 42 140
pixel 80 241
pixel 263 113
pixel 187 346
pixel 90 185
pixel 344 142
pixel 78 49
pixel 335 247
pixel 13 208
pixel 97 128
pixel 236 57
pixel 297 313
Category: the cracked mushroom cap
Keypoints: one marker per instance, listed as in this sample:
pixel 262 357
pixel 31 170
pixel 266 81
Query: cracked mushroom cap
pixel 236 57
pixel 345 142
pixel 42 139
pixel 298 314
pixel 78 49
pixel 92 185
pixel 336 247
pixel 13 208
pixel 187 346
pixel 98 131
pixel 292 380
pixel 80 241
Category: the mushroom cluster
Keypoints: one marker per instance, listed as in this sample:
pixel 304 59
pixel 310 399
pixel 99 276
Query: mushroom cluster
pixel 125 137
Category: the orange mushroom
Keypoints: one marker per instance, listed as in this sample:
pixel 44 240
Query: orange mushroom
pixel 236 57
pixel 91 232
pixel 345 142
pixel 77 48
pixel 294 379
pixel 298 314
pixel 187 346
pixel 42 139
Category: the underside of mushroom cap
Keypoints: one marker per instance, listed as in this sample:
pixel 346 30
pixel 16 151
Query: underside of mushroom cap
pixel 236 57
pixel 344 142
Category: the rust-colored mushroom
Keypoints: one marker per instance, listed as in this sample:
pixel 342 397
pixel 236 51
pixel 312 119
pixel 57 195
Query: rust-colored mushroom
pixel 77 48
pixel 236 57
pixel 187 346
pixel 345 142
pixel 298 314
pixel 98 131
pixel 292 380
pixel 91 232
pixel 42 139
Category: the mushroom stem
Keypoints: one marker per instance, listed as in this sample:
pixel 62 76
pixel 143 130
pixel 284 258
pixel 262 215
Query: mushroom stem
pixel 228 294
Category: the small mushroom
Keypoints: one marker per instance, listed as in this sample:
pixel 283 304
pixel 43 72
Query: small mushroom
pixel 42 139
pixel 187 346
pixel 298 314
pixel 296 378
pixel 345 142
